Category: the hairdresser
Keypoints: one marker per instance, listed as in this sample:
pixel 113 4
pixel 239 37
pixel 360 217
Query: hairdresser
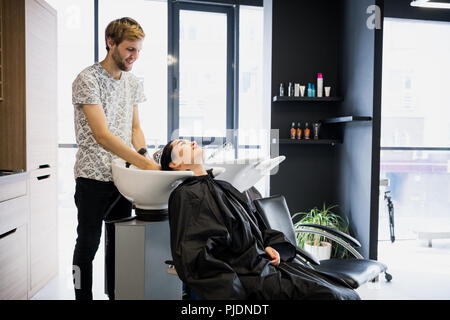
pixel 105 98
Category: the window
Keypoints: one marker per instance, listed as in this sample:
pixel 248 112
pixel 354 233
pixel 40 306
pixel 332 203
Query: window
pixel 217 90
pixel 202 95
pixel 415 127
pixel 251 115
pixel 75 52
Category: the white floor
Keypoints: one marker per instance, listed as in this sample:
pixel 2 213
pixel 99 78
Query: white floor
pixel 419 272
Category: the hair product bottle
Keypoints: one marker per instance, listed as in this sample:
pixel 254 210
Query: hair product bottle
pixel 281 90
pixel 290 90
pixel 293 131
pixel 319 85
pixel 307 131
pixel 299 132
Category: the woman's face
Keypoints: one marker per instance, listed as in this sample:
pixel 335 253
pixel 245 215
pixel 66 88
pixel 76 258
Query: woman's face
pixel 185 154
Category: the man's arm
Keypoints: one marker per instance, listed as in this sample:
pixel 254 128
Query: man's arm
pixel 97 121
pixel 137 135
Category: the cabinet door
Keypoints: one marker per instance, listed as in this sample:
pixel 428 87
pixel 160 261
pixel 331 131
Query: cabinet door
pixel 13 264
pixel 43 228
pixel 41 84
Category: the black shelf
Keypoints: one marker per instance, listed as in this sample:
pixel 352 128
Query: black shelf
pixel 311 141
pixel 346 119
pixel 307 99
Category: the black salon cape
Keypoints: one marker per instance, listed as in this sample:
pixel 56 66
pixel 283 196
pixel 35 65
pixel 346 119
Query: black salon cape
pixel 218 242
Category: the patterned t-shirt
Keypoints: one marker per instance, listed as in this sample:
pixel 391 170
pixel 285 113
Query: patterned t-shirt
pixel 94 85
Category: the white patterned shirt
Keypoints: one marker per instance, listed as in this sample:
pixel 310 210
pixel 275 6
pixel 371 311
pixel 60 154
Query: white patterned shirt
pixel 94 85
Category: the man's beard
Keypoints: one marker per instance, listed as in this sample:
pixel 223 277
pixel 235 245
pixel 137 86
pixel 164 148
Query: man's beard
pixel 119 60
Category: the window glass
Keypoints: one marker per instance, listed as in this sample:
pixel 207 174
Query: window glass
pixel 250 80
pixel 415 114
pixel 203 73
pixel 416 78
pixel 75 52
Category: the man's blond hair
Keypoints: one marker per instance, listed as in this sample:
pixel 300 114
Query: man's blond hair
pixel 123 29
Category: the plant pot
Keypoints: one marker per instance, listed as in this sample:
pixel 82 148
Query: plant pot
pixel 322 252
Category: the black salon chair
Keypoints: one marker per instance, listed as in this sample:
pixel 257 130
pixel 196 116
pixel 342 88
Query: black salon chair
pixel 355 272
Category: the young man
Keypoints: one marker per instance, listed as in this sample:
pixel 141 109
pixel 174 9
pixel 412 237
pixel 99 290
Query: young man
pixel 105 98
pixel 222 249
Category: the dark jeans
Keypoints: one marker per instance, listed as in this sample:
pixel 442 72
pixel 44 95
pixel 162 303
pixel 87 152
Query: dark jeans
pixel 94 200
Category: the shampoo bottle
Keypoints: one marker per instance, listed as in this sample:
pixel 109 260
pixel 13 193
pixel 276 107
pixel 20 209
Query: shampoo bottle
pixel 319 85
pixel 299 131
pixel 307 132
pixel 293 131
pixel 281 90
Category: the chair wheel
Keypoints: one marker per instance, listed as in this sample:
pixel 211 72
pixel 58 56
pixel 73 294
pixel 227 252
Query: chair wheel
pixel 387 276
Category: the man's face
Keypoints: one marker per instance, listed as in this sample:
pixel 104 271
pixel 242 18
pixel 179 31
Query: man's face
pixel 126 53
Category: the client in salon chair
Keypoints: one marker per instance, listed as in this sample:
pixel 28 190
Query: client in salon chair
pixel 221 247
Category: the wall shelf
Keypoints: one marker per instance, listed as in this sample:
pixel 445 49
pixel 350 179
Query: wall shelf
pixel 307 99
pixel 331 142
pixel 346 119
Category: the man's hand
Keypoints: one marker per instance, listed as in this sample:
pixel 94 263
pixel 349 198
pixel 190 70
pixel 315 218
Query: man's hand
pixel 151 165
pixel 274 255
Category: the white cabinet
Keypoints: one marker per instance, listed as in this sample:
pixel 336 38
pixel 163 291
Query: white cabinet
pixel 42 228
pixel 41 140
pixel 13 264
pixel 41 84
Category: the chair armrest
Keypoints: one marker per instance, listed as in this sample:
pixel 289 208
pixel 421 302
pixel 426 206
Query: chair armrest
pixel 335 232
pixel 307 256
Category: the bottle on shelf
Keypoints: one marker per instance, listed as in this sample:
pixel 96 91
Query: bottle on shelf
pixel 307 132
pixel 293 131
pixel 290 90
pixel 299 132
pixel 309 90
pixel 281 90
pixel 319 85
pixel 313 91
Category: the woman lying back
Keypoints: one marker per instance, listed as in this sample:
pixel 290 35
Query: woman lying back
pixel 222 249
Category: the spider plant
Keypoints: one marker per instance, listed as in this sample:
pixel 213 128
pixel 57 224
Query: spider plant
pixel 324 217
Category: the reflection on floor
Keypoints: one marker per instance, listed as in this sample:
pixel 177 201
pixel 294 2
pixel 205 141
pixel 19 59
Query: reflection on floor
pixel 419 272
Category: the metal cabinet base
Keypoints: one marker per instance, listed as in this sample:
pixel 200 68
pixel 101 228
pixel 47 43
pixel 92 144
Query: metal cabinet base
pixel 141 249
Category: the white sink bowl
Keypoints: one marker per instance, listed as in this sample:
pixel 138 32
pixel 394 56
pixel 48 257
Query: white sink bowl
pixel 245 173
pixel 148 189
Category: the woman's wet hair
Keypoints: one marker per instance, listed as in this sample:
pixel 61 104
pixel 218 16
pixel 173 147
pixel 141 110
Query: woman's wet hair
pixel 166 157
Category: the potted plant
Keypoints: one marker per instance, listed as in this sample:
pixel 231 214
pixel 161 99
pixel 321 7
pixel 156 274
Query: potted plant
pixel 313 243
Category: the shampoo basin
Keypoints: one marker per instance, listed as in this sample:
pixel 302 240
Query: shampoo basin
pixel 149 189
pixel 245 173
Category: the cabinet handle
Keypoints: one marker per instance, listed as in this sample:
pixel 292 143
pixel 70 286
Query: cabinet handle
pixel 43 177
pixel 8 233
pixel 43 166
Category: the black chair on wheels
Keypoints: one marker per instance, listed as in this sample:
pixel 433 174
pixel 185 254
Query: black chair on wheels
pixel 354 272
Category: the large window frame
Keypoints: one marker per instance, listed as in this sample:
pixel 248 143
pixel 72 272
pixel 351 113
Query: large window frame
pixel 232 99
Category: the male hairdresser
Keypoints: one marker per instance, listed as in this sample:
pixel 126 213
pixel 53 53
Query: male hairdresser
pixel 105 98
